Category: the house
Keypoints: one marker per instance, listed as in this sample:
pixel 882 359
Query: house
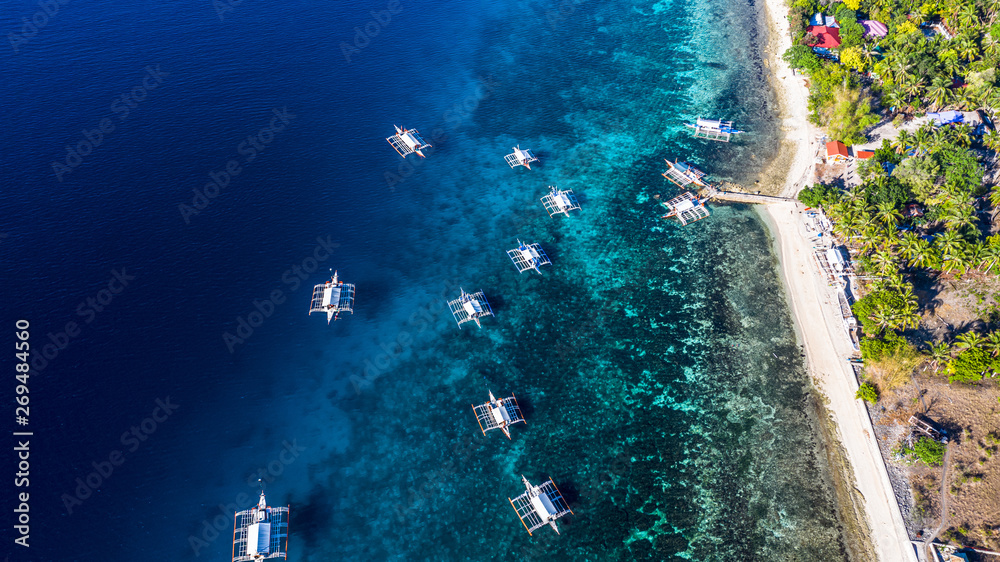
pixel 826 37
pixel 874 28
pixel 913 211
pixel 818 19
pixel 863 154
pixel 836 151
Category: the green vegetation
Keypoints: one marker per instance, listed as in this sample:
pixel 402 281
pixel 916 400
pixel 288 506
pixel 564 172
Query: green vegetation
pixel 819 195
pixel 926 450
pixel 970 365
pixel 868 393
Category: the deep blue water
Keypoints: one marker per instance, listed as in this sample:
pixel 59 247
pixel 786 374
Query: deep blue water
pixel 657 365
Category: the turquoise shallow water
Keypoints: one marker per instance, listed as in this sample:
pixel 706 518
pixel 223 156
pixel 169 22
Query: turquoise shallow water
pixel 656 365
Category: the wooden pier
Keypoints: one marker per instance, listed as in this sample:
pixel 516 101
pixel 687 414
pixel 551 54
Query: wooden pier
pixel 710 192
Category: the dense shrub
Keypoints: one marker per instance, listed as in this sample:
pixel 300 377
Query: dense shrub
pixel 927 450
pixel 970 365
pixel 819 195
pixel 867 393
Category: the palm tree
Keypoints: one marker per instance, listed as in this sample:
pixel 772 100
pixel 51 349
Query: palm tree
pixel 968 340
pixel 884 261
pixel 992 140
pixel 939 91
pixel 962 134
pixel 967 48
pixel 940 353
pixel 888 214
pixel 904 140
pixel 953 251
pixel 909 246
pixel 926 256
pixel 992 343
pixel 989 252
pixel 959 217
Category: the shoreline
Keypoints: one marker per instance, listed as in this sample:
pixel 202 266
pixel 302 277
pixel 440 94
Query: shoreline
pixel 859 473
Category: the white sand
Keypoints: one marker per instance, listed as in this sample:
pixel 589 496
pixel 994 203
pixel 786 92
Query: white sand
pixel 816 312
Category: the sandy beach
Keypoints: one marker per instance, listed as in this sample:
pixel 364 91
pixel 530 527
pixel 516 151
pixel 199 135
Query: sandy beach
pixel 815 309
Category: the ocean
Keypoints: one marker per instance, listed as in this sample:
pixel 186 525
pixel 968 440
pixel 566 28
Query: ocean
pixel 179 175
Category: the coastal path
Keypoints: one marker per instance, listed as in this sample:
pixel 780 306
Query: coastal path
pixel 944 498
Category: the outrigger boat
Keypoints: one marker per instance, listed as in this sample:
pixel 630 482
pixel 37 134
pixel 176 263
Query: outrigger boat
pixel 498 414
pixel 683 174
pixel 332 297
pixel 520 158
pixel 528 256
pixel 408 141
pixel 260 533
pixel 713 129
pixel 540 505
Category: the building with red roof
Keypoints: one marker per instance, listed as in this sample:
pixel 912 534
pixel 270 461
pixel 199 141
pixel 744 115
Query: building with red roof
pixel 827 37
pixel 863 154
pixel 836 151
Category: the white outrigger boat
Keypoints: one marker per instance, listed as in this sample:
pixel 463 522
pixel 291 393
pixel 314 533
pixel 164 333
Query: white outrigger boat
pixel 520 158
pixel 260 533
pixel 540 505
pixel 528 256
pixel 408 141
pixel 470 307
pixel 332 297
pixel 498 414
pixel 713 129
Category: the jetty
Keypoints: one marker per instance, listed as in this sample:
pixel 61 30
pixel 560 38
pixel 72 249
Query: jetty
pixel 260 533
pixel 470 307
pixel 408 141
pixel 709 192
pixel 713 129
pixel 332 297
pixel 528 256
pixel 498 414
pixel 520 158
pixel 560 201
pixel 540 505
pixel 684 174
pixel 687 208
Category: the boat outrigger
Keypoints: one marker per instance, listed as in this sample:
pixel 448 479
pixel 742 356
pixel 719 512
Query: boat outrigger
pixel 260 533
pixel 528 256
pixel 332 297
pixel 408 141
pixel 520 158
pixel 540 505
pixel 713 129
pixel 560 201
pixel 470 307
pixel 687 208
pixel 498 414
pixel 684 174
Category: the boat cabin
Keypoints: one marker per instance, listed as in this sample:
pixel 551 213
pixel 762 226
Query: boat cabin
pixel 498 414
pixel 470 307
pixel 528 256
pixel 332 297
pixel 520 158
pixel 560 201
pixel 260 533
pixel 540 505
pixel 408 141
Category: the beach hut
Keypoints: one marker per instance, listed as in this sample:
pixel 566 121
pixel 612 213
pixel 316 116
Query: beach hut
pixel 684 174
pixel 498 414
pixel 408 141
pixel 540 505
pixel 687 208
pixel 260 533
pixel 470 307
pixel 560 201
pixel 332 297
pixel 528 256
pixel 520 158
pixel 713 129
pixel 874 28
pixel 836 151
